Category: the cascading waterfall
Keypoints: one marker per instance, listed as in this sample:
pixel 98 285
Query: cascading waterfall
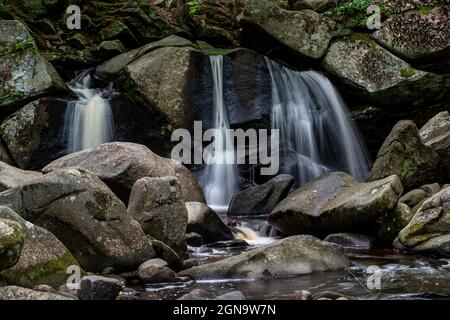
pixel 89 120
pixel 316 135
pixel 221 175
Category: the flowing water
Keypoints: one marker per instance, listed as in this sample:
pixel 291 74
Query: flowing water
pixel 315 131
pixel 221 175
pixel 89 120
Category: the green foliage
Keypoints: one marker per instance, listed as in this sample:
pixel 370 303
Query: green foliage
pixel 194 6
pixel 19 46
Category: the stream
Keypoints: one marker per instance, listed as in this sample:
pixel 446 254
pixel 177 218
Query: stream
pixel 401 276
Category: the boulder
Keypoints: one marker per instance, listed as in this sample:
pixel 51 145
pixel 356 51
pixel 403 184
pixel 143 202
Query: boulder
pixel 11 243
pixel 261 200
pixel 416 35
pixel 43 259
pixel 291 256
pixel 306 32
pixel 234 295
pixel 436 135
pixel 11 177
pixel 25 73
pixel 413 197
pixel 166 253
pixel 156 271
pixel 374 73
pixel 162 80
pixel 390 224
pixel 34 135
pixel 121 164
pixel 429 229
pixel 99 288
pixel 404 155
pixel 431 189
pixel 157 204
pixel 335 203
pixel 350 240
pixel 196 294
pixel 111 68
pixel 80 210
pixel 19 293
pixel 204 221
pixel 194 239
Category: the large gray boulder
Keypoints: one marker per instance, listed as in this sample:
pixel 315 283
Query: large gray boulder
pixel 204 221
pixel 373 72
pixel 288 257
pixel 335 203
pixel 19 293
pixel 305 32
pixel 11 242
pixel 25 73
pixel 80 210
pixel 316 5
pixel 415 34
pixel 436 135
pixel 157 204
pixel 11 177
pixel 121 164
pixel 34 134
pixel 260 200
pixel 43 258
pixel 391 223
pixel 429 229
pixel 404 155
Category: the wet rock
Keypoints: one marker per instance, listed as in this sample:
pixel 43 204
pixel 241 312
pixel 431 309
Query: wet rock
pixel 166 253
pixel 44 288
pixel 69 288
pixel 34 135
pixel 414 35
pixel 328 295
pixel 436 135
pixel 157 204
pixel 390 224
pixel 111 48
pixel 25 73
pixel 121 164
pixel 11 177
pixel 303 295
pixel 204 221
pixel 335 203
pixel 373 72
pixel 261 200
pixel 234 295
pixel 43 258
pixel 288 257
pixel 80 210
pixel 99 288
pixel 404 155
pixel 350 240
pixel 11 243
pixel 196 294
pixel 413 197
pixel 156 271
pixel 194 239
pixel 19 293
pixel 236 243
pixel 429 230
pixel 305 32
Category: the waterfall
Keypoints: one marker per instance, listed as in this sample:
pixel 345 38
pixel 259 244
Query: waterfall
pixel 220 177
pixel 316 135
pixel 89 120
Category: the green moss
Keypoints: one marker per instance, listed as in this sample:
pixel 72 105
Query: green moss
pixel 361 36
pixel 19 46
pixel 217 51
pixel 408 72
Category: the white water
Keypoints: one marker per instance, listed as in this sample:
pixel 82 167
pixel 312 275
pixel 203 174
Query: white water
pixel 221 175
pixel 89 120
pixel 316 135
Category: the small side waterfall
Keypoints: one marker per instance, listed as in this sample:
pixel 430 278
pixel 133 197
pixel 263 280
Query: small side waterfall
pixel 89 120
pixel 220 177
pixel 316 135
